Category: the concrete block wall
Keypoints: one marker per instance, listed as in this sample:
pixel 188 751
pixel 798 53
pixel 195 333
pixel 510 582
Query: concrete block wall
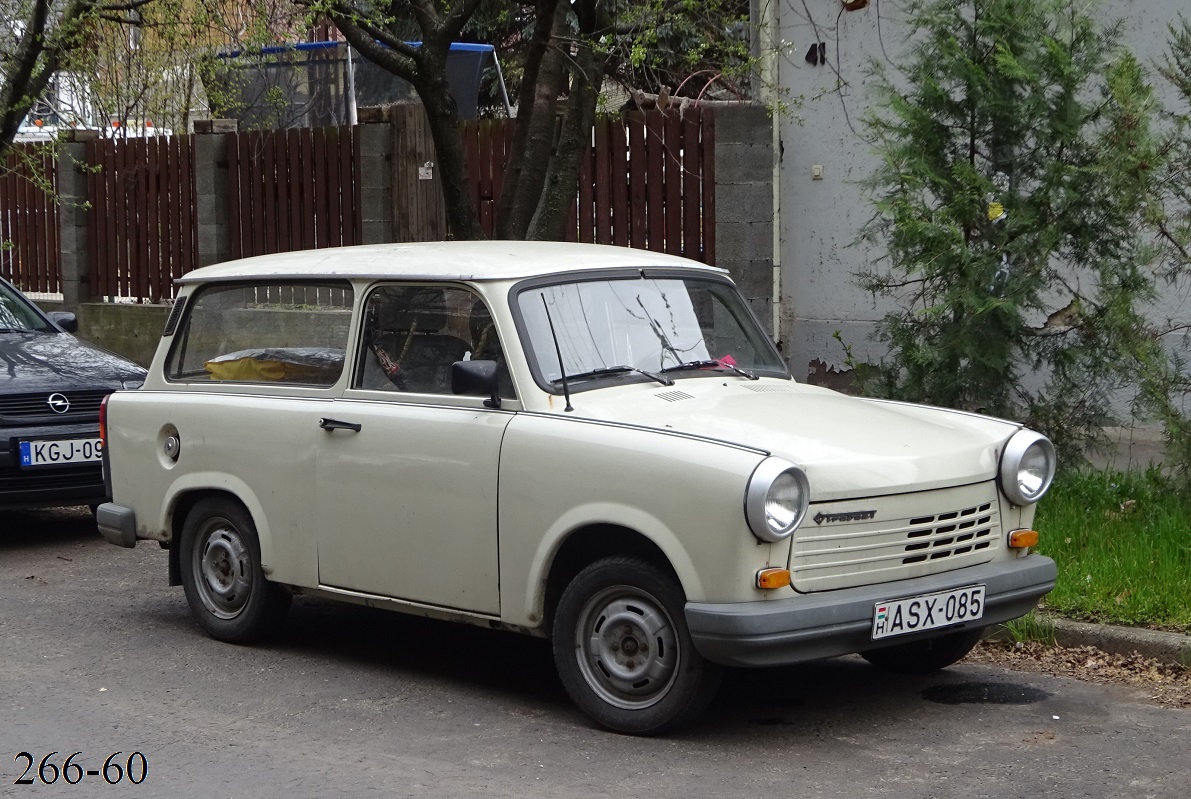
pixel 744 203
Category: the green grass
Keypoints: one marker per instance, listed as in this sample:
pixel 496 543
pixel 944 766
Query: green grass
pixel 1031 627
pixel 1123 545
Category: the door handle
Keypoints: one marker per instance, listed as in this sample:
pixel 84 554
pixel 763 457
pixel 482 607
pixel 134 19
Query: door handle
pixel 335 424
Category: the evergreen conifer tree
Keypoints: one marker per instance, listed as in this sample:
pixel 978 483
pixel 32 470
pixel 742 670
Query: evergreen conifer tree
pixel 1013 197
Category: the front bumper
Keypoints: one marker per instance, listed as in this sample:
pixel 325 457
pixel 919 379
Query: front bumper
pixel 831 623
pixel 75 484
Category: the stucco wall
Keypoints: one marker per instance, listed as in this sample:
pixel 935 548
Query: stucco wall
pixel 821 219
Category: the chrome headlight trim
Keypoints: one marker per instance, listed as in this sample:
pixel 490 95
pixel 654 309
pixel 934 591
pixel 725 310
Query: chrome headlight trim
pixel 765 478
pixel 1023 445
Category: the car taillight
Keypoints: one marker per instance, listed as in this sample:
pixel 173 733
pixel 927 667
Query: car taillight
pixel 103 421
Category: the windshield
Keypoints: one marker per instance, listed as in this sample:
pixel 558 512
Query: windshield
pixel 17 317
pixel 628 328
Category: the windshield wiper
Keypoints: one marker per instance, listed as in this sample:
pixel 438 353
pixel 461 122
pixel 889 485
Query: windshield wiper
pixel 616 370
pixel 709 364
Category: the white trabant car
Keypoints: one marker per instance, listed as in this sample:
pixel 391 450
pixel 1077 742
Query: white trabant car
pixel 596 445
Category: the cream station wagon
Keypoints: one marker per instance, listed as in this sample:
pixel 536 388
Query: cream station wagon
pixel 595 445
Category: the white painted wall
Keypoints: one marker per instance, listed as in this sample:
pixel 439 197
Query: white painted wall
pixel 821 219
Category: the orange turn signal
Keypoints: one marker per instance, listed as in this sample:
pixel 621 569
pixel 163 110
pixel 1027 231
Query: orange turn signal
pixel 773 578
pixel 1022 539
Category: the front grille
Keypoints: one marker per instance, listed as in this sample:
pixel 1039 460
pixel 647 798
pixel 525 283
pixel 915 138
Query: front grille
pixel 952 533
pixel 83 404
pixel 862 542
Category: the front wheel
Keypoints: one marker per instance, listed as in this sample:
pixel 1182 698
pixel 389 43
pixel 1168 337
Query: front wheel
pixel 926 655
pixel 623 651
pixel 220 558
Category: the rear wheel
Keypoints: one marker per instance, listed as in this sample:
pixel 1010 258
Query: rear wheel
pixel 623 651
pixel 220 560
pixel 927 655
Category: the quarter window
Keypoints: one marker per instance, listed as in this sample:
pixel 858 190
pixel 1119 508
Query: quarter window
pixel 293 333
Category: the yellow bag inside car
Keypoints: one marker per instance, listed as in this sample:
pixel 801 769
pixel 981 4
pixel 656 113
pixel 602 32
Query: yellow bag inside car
pixel 314 365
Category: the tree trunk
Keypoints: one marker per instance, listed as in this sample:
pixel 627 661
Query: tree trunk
pixel 533 132
pixel 425 69
pixel 28 72
pixel 550 218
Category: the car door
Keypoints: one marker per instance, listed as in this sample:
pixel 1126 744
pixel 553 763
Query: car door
pixel 406 471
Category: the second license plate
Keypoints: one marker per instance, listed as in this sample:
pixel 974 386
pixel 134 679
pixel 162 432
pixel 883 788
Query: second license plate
pixel 56 452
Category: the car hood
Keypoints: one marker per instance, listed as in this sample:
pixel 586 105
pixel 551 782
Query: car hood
pixel 849 446
pixel 32 362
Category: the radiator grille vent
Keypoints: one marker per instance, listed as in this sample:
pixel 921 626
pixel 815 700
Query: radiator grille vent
pixel 27 406
pixel 862 542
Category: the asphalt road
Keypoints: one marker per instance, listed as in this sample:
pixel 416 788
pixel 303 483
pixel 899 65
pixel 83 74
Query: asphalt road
pixel 98 655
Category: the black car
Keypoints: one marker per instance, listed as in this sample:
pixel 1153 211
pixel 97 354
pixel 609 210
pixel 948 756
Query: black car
pixel 51 386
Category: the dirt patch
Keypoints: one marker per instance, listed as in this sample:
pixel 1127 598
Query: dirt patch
pixel 1159 683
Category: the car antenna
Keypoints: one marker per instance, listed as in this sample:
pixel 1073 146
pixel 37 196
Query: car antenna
pixel 566 389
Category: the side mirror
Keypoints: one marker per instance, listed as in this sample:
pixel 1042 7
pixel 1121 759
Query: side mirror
pixel 65 320
pixel 476 378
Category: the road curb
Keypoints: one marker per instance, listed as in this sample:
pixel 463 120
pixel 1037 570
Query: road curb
pixel 1166 647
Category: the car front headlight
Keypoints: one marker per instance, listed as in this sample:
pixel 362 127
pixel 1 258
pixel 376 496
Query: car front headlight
pixel 1027 467
pixel 776 499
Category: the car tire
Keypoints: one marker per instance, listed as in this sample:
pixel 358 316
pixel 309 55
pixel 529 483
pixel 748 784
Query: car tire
pixel 623 650
pixel 926 655
pixel 220 559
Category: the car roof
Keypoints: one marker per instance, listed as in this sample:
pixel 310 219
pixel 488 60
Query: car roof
pixel 453 260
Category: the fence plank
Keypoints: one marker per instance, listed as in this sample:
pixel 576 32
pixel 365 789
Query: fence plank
pixel 305 185
pixel 655 187
pixel 637 173
pixel 347 186
pixel 707 151
pixel 692 174
pixel 672 164
pixel 265 215
pixel 188 234
pixel 357 182
pixel 155 234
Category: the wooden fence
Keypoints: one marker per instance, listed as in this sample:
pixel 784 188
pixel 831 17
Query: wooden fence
pixel 294 189
pixel 647 181
pixel 29 218
pixel 142 231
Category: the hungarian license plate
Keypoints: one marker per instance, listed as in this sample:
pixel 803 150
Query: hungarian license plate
pixel 926 612
pixel 56 452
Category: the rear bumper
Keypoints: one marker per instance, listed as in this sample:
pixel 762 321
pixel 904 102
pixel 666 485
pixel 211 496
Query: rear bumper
pixel 830 623
pixel 117 524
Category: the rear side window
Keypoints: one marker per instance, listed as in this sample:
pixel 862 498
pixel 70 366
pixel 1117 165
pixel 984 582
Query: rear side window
pixel 282 332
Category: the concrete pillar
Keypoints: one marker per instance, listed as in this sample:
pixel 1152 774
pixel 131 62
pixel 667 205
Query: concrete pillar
pixel 744 203
pixel 74 255
pixel 210 181
pixel 376 182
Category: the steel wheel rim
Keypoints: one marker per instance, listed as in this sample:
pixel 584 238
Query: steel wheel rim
pixel 627 647
pixel 222 569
